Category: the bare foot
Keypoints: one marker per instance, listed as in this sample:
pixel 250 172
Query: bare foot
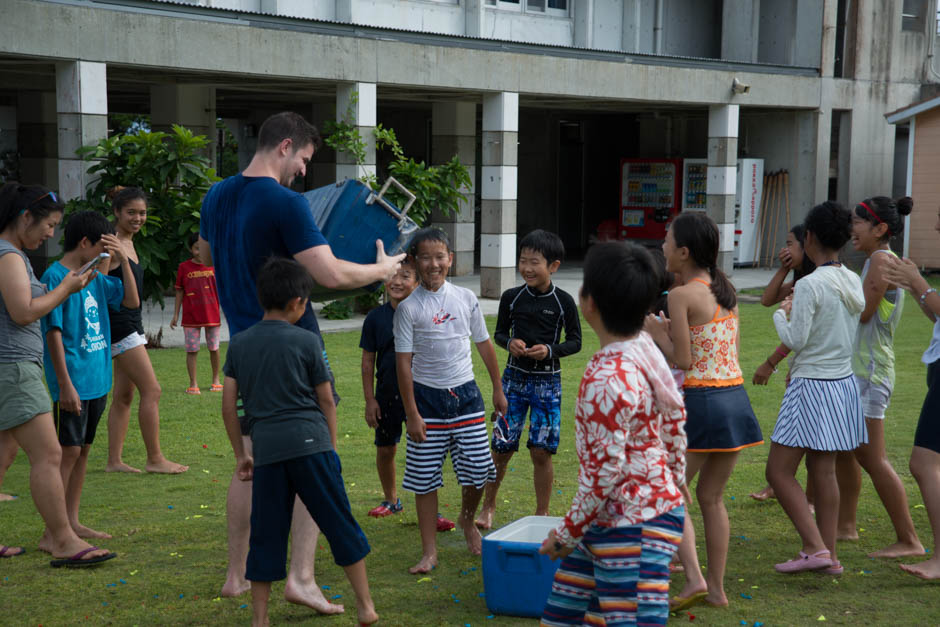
pixel 716 600
pixel 899 549
pixel 120 467
pixel 233 588
pixel 925 570
pixel 7 497
pixel 46 544
pixel 485 519
pixel 763 495
pixel 312 597
pixel 848 536
pixel 691 590
pixel 427 563
pixel 471 534
pixel 366 615
pixel 166 467
pixel 87 532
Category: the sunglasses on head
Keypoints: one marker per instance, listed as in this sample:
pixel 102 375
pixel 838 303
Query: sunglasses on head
pixel 49 194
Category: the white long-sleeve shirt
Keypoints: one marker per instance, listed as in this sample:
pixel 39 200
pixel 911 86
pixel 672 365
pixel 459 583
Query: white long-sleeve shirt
pixel 823 320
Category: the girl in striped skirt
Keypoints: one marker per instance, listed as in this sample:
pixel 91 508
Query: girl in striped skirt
pixel 821 412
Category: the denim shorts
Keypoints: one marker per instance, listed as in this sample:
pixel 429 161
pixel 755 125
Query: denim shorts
pixel 536 394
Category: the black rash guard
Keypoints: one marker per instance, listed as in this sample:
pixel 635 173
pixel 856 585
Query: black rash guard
pixel 538 319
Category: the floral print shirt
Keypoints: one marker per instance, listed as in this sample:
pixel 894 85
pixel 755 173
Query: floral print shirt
pixel 630 437
pixel 714 348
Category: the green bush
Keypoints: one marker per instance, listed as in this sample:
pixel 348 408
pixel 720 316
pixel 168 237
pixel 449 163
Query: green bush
pixel 172 169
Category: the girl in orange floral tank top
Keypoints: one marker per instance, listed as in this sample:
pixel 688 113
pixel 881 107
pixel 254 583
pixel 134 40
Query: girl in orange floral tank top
pixel 701 337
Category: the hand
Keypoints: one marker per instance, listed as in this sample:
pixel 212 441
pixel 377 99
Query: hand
pixel 245 468
pixel 537 352
pixel 786 259
pixel 388 264
pixel 658 327
pixel 417 429
pixel 762 374
pixel 114 247
pixel 550 547
pixel 500 404
pixel 74 282
pixel 173 323
pixel 901 272
pixel 69 400
pixel 787 305
pixel 373 413
pixel 517 347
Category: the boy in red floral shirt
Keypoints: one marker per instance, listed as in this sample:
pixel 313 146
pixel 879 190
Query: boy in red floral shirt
pixel 196 293
pixel 625 521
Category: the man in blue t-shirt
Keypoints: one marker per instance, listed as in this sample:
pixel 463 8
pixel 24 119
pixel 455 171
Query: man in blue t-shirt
pixel 77 356
pixel 245 219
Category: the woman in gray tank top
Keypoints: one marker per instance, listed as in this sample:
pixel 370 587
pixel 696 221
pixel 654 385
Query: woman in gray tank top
pixel 28 217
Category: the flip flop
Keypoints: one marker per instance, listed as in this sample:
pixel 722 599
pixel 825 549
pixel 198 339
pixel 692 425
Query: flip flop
pixel 76 560
pixel 216 387
pixel 684 603
pixel 6 552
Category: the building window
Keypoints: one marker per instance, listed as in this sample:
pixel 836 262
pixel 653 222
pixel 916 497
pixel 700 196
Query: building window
pixel 545 7
pixel 913 15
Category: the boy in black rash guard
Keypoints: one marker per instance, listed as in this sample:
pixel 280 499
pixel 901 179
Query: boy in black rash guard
pixel 530 323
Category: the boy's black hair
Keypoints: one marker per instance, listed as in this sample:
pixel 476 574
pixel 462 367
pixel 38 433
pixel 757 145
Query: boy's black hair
pixel 830 223
pixel 428 234
pixel 548 244
pixel 193 238
pixel 90 224
pixel 280 280
pixel 661 302
pixel 623 280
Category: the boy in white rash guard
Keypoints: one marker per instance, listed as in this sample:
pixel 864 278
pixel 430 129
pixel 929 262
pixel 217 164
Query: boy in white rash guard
pixel 443 405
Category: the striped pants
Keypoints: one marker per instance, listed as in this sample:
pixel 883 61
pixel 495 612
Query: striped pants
pixel 617 576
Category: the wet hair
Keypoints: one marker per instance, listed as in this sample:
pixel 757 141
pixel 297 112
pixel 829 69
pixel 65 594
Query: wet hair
pixel 193 238
pixel 830 223
pixel 90 224
pixel 545 243
pixel 661 302
pixel 280 280
pixel 428 234
pixel 287 125
pixel 121 196
pixel 807 266
pixel 16 199
pixel 699 233
pixel 882 210
pixel 623 280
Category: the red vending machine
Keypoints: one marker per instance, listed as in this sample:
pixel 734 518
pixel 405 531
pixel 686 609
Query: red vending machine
pixel 649 197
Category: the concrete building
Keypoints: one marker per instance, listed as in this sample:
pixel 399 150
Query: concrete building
pixel 541 98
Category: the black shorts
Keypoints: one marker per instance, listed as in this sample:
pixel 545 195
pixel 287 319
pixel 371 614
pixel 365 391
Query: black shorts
pixel 79 429
pixel 928 427
pixel 388 431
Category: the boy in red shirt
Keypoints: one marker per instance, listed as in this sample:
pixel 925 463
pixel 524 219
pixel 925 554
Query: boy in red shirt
pixel 197 295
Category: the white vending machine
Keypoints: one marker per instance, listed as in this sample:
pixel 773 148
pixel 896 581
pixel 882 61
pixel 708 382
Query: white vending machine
pixel 747 206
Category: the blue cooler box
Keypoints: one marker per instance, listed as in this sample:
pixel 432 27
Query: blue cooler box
pixel 516 578
pixel 351 217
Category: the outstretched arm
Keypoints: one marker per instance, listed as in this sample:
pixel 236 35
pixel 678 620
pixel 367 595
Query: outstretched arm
pixel 333 273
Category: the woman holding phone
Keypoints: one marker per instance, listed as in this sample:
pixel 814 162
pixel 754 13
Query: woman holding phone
pixel 28 217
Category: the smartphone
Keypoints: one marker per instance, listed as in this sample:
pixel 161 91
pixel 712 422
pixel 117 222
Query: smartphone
pixel 91 265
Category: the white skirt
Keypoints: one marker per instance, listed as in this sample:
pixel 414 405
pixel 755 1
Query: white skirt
pixel 821 415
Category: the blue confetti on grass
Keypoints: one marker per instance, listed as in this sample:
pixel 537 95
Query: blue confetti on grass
pixel 325 587
pixel 337 596
pixel 156 596
pixel 111 585
pixel 757 623
pixel 481 595
pixel 732 498
pixel 746 596
pixel 490 617
pixel 181 595
pixel 122 581
pixel 169 507
pixel 105 603
pixel 473 568
pixel 242 606
pixel 744 622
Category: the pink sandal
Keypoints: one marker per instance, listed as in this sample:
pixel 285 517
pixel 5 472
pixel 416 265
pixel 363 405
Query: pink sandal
pixel 806 562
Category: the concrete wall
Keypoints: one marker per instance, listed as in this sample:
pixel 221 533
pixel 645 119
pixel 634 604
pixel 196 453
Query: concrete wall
pixel 419 15
pixel 528 27
pixel 692 28
pixel 925 190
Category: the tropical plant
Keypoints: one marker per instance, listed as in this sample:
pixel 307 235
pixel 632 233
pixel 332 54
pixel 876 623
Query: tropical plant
pixel 174 172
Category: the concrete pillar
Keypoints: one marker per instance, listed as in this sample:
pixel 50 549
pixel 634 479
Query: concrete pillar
pixel 584 24
pixel 499 176
pixel 453 132
pixel 37 138
pixel 82 113
pixel 356 105
pixel 191 106
pixel 740 28
pixel 322 170
pixel 822 154
pixel 828 44
pixel 473 18
pixel 722 176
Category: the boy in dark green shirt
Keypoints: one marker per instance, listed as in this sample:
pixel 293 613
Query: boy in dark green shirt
pixel 279 372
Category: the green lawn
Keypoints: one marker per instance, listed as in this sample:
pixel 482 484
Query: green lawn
pixel 170 531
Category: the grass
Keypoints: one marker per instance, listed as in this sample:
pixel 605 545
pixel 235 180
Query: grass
pixel 171 537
